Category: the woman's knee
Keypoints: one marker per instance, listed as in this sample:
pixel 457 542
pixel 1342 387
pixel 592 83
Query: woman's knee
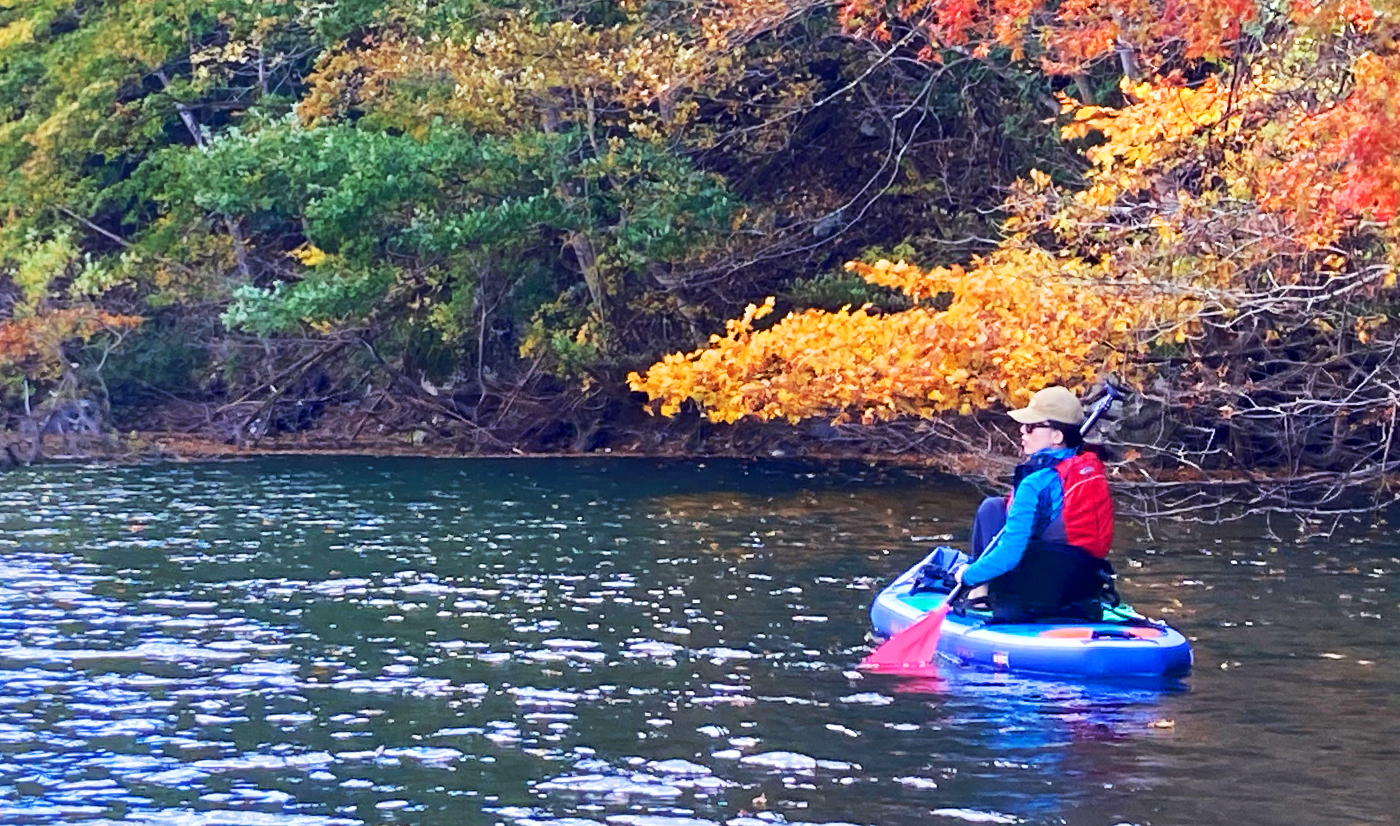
pixel 992 506
pixel 990 519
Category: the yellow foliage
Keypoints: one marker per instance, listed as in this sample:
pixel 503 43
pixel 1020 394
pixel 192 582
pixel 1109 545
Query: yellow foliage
pixel 308 254
pixel 1018 321
pixel 1140 136
pixel 522 73
pixel 13 34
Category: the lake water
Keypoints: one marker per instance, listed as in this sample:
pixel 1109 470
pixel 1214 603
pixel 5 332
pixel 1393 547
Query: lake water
pixel 327 641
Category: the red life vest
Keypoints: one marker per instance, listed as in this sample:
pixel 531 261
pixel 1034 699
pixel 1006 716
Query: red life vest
pixel 1088 508
pixel 1085 520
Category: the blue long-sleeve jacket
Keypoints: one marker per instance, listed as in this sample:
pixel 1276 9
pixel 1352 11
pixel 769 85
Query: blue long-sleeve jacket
pixel 1038 500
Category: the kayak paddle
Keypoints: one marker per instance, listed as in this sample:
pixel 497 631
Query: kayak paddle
pixel 914 647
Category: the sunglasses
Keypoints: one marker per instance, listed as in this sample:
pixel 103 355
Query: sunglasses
pixel 1028 429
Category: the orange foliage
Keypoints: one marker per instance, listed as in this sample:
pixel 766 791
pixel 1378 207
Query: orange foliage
pixel 1147 254
pixel 1016 321
pixel 1343 163
pixel 1320 172
pixel 1072 34
pixel 33 343
pixel 1204 202
pixel 1323 163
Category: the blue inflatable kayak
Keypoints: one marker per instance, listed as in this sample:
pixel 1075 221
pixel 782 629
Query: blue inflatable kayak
pixel 1124 644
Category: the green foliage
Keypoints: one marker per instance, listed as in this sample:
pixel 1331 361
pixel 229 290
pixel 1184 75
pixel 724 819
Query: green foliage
pixel 158 361
pixel 573 356
pixel 432 213
pixel 87 93
pixel 41 261
pixel 833 290
pixel 650 206
pixel 661 207
pixel 320 301
pixel 340 184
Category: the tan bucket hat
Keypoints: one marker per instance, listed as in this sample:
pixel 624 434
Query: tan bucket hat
pixel 1053 404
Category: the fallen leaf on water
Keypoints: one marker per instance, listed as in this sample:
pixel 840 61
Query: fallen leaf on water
pixel 1164 724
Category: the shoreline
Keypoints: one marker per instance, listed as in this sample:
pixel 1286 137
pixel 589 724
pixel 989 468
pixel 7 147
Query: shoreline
pixel 1316 500
pixel 697 443
pixel 140 447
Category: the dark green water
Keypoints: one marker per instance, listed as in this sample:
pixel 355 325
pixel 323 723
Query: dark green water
pixel 331 641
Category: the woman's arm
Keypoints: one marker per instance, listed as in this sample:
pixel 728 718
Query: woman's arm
pixel 1010 545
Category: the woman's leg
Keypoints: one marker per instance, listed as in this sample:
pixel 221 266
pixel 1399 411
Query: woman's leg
pixel 990 519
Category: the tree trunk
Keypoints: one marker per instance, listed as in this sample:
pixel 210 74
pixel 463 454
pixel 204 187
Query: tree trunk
pixel 582 246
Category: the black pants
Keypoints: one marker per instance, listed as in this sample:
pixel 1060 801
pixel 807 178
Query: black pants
pixel 1049 583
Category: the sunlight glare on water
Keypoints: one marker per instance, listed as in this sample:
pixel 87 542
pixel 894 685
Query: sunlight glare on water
pixel 331 641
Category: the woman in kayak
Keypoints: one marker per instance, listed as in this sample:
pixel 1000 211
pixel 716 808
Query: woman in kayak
pixel 1041 550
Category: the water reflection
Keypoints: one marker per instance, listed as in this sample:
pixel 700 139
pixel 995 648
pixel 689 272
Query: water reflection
pixel 347 641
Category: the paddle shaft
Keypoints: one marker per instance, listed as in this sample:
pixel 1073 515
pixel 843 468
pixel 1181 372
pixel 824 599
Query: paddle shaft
pixel 952 597
pixel 1111 394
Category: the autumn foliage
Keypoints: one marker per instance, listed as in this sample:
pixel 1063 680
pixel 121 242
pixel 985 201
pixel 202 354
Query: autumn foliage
pixel 1013 323
pixel 1341 164
pixel 1235 223
pixel 33 344
pixel 630 78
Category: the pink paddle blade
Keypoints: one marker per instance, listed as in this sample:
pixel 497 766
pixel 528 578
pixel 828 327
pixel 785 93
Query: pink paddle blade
pixel 913 649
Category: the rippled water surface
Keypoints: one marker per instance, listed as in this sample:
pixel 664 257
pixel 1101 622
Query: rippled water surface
pixel 334 641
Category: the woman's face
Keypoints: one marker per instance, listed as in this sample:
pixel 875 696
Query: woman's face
pixel 1036 437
